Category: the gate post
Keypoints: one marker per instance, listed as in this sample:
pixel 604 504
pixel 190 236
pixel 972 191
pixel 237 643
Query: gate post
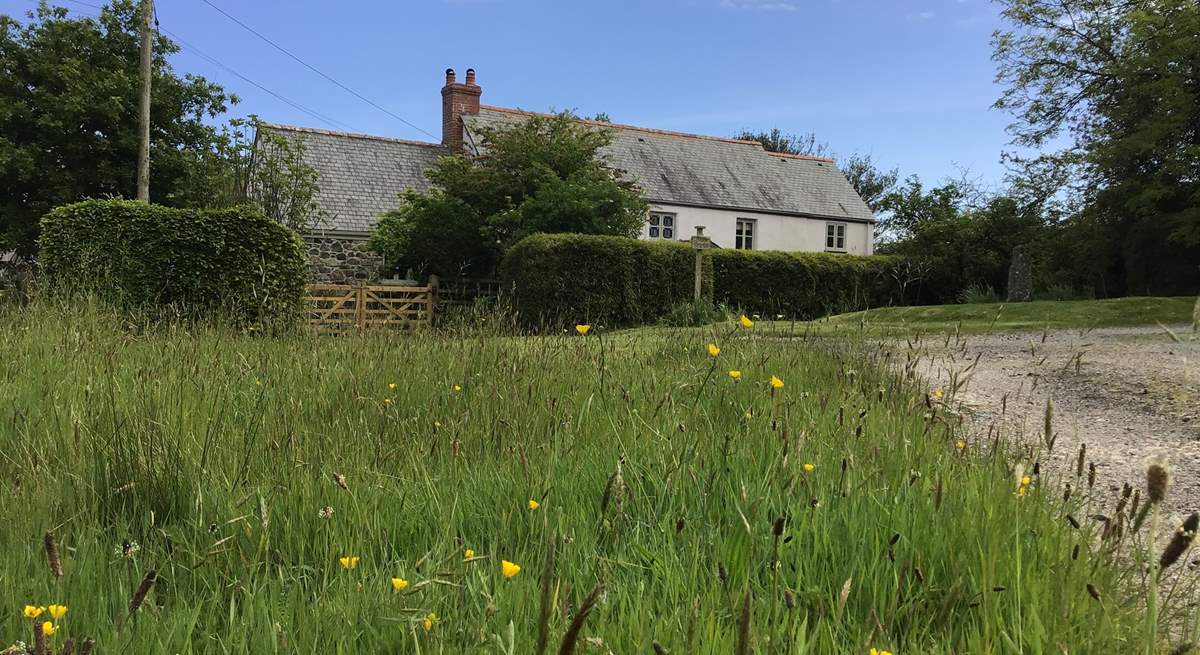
pixel 360 306
pixel 434 282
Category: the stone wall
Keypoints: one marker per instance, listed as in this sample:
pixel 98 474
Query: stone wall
pixel 341 260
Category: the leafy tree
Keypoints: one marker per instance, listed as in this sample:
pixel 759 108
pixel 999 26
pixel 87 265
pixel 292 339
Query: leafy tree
pixel 789 144
pixel 872 184
pixel 543 174
pixel 68 115
pixel 1117 82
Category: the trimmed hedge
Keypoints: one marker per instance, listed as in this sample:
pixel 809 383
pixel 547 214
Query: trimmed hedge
pixel 563 279
pixel 235 260
pixel 803 285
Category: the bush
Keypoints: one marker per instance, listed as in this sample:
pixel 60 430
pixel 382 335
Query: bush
pixel 694 314
pixel 978 295
pixel 196 261
pixel 561 279
pixel 804 285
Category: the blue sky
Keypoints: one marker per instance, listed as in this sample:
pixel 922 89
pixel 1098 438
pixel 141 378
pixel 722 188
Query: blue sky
pixel 909 81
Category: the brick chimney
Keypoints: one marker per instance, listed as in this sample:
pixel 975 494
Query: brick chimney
pixel 458 100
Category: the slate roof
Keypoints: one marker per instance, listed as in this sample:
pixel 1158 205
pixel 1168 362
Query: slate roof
pixel 704 171
pixel 361 176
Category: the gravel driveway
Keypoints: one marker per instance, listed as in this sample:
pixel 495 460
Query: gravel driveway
pixel 1128 393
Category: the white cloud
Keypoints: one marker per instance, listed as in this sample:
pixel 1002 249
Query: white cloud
pixel 924 15
pixel 760 5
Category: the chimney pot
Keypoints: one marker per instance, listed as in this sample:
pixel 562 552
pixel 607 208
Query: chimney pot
pixel 449 76
pixel 470 76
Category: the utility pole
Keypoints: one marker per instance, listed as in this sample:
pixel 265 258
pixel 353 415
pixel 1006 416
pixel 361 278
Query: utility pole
pixel 143 169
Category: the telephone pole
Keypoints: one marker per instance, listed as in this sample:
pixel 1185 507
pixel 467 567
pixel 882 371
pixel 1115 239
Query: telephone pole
pixel 143 170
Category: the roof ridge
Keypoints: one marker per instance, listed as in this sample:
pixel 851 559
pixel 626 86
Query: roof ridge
pixel 789 155
pixel 623 126
pixel 352 135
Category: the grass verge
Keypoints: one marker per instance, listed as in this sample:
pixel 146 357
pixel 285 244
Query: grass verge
pixel 363 494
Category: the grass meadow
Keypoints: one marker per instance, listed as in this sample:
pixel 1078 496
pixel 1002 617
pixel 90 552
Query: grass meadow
pixel 295 494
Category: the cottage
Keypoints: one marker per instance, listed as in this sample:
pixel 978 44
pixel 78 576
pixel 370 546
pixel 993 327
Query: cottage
pixel 745 196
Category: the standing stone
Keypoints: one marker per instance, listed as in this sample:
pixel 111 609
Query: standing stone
pixel 1020 276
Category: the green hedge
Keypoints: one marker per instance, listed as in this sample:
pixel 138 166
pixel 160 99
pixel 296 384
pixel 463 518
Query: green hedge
pixel 803 285
pixel 563 279
pixel 236 260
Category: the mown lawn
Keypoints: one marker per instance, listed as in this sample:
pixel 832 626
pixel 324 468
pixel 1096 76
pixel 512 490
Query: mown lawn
pixel 996 317
pixel 835 514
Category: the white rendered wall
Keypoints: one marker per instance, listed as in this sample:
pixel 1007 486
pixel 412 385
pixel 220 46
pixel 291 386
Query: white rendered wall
pixel 772 231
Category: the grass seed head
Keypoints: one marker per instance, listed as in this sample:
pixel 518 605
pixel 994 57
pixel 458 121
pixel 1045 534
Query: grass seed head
pixel 139 596
pixel 1158 479
pixel 52 557
pixel 1180 541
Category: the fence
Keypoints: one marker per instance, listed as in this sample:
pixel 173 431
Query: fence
pixel 464 291
pixel 341 308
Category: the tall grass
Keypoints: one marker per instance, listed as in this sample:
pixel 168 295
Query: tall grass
pixel 681 506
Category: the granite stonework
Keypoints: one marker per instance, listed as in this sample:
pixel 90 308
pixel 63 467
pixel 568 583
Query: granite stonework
pixel 341 259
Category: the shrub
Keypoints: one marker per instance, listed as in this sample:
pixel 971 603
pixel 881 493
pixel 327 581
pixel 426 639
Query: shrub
pixel 803 285
pixel 978 295
pixel 694 314
pixel 560 279
pixel 196 261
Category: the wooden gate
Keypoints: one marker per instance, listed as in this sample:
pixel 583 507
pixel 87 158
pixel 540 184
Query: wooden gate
pixel 342 308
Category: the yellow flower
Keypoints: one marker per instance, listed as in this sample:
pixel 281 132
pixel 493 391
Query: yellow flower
pixel 746 322
pixel 776 383
pixel 735 374
pixel 509 569
pixel 399 584
pixel 349 561
pixel 387 401
pixel 808 468
pixel 937 393
pixel 960 444
pixel 456 388
pixel 533 504
pixel 428 621
pixel 713 350
pixel 32 612
pixel 391 386
pixel 468 553
pixel 879 652
pixel 49 628
pixel 582 329
pixel 58 611
pixel 1025 481
pixel 1021 491
pixel 437 424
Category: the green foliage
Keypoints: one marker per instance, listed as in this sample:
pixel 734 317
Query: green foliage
pixel 803 285
pixel 694 314
pixel 216 453
pixel 68 116
pixel 1118 79
pixel 776 140
pixel 974 295
pixel 233 260
pixel 564 279
pixel 960 245
pixel 541 175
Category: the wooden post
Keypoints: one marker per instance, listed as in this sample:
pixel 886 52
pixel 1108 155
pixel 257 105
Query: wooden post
pixel 360 306
pixel 143 163
pixel 700 243
pixel 434 282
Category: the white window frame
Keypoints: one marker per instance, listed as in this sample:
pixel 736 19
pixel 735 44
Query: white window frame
pixel 740 236
pixel 659 223
pixel 835 237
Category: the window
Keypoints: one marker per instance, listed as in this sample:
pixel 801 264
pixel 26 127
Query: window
pixel 662 226
pixel 835 236
pixel 744 238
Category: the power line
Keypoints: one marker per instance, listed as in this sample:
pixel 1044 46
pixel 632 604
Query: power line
pixel 315 70
pixel 332 122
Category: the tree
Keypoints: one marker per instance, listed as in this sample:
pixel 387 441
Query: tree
pixel 789 144
pixel 543 174
pixel 872 184
pixel 1117 80
pixel 68 115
